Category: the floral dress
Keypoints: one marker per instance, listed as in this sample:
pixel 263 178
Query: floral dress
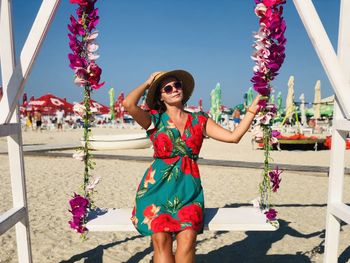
pixel 170 195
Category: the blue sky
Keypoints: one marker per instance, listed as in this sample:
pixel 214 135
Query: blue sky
pixel 211 39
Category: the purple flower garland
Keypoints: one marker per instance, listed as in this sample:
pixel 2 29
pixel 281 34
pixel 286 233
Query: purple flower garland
pixel 268 55
pixel 83 58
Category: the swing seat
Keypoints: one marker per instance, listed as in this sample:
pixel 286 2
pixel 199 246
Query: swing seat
pixel 216 219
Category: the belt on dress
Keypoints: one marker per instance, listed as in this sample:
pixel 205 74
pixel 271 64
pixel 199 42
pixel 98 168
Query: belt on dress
pixel 191 156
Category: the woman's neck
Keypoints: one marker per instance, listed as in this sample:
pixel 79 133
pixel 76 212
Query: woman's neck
pixel 175 111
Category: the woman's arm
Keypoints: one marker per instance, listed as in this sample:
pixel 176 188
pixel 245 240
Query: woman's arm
pixel 216 132
pixel 130 103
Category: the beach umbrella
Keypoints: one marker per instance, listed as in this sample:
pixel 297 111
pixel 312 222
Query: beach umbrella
pixel 97 107
pixel 279 102
pixel 119 106
pixel 317 100
pixel 111 103
pixel 215 109
pixel 302 109
pixel 49 104
pixel 250 96
pixel 327 106
pixel 290 98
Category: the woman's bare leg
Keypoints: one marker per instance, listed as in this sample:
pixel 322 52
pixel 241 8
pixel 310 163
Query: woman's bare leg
pixel 186 246
pixel 163 248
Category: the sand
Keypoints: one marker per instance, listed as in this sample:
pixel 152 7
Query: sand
pixel 301 203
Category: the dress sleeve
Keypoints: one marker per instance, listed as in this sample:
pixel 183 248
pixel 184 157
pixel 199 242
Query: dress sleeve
pixel 203 118
pixel 155 118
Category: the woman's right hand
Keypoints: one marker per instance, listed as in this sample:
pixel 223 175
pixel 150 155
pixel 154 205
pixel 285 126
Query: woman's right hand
pixel 151 78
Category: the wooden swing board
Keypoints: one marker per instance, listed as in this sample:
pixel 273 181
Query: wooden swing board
pixel 216 219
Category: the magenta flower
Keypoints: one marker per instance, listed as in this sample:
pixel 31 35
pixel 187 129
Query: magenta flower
pixel 76 61
pixel 76 28
pixel 271 214
pixel 79 2
pixel 94 74
pixel 93 19
pixel 75 45
pixel 275 133
pixel 275 179
pixel 78 201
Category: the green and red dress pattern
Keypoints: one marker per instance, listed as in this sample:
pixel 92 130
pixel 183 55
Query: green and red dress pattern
pixel 170 195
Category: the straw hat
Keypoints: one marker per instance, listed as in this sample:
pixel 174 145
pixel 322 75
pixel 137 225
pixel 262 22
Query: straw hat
pixel 182 75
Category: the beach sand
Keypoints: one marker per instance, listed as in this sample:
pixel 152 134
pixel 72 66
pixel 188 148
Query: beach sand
pixel 301 203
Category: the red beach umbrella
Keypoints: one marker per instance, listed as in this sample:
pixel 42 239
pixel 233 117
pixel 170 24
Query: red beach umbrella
pixel 49 104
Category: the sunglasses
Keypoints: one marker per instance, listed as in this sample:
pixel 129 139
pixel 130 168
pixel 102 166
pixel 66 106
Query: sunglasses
pixel 168 89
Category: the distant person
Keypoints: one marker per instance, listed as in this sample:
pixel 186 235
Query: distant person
pixel 38 120
pixel 60 119
pixel 29 120
pixel 236 115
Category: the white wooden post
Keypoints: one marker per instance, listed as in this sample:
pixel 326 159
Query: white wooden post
pixel 14 79
pixel 337 69
pixel 337 210
pixel 14 89
pixel 7 57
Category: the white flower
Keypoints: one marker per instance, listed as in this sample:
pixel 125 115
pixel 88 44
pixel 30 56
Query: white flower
pixel 79 156
pixel 260 10
pixel 256 202
pixel 93 36
pixel 265 119
pixel 92 47
pixel 92 183
pixel 79 81
pixel 79 109
pixel 93 56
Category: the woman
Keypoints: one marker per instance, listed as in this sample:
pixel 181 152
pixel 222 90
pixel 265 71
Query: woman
pixel 169 200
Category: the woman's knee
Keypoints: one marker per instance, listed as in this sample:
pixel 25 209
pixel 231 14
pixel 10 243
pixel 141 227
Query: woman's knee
pixel 162 241
pixel 186 240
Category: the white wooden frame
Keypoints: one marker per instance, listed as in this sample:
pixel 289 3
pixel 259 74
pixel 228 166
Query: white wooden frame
pixel 337 68
pixel 14 78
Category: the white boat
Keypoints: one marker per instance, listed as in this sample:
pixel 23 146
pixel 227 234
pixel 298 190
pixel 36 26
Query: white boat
pixel 119 142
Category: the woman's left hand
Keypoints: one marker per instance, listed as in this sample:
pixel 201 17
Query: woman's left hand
pixel 254 107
